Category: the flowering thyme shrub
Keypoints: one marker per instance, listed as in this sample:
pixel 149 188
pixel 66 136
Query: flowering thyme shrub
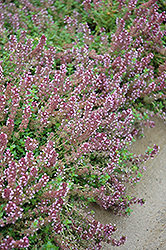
pixel 67 117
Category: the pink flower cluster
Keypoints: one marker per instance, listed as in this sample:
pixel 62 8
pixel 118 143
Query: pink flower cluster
pixel 10 243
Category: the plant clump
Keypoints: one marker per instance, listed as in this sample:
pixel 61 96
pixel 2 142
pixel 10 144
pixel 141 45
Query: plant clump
pixel 78 79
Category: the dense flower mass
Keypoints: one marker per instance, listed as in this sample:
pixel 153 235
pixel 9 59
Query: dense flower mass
pixel 78 80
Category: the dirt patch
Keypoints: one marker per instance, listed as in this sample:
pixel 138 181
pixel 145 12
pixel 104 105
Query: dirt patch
pixel 145 228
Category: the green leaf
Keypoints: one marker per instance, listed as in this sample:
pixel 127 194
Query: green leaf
pixel 35 223
pixel 67 222
pixel 139 175
pixel 12 147
pixel 128 210
pixel 2 206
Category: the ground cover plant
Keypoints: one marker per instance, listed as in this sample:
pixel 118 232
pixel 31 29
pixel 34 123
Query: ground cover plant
pixel 78 79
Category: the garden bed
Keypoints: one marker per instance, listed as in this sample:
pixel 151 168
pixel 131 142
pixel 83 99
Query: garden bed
pixel 78 82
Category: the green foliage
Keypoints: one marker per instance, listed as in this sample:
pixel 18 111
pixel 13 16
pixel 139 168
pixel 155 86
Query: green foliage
pixel 49 246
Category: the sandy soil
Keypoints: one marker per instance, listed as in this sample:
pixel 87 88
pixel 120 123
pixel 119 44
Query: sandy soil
pixel 145 228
